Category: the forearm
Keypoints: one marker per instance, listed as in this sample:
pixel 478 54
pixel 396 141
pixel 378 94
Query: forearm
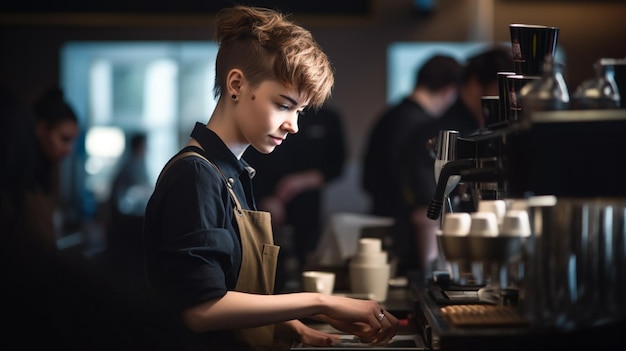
pixel 237 310
pixel 241 310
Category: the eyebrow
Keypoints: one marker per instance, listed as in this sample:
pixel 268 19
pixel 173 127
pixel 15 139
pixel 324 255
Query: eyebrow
pixel 290 99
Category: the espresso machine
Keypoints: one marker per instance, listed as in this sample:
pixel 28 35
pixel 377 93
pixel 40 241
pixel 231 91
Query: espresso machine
pixel 566 169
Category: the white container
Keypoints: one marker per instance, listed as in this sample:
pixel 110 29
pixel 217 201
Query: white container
pixel 318 281
pixel 372 280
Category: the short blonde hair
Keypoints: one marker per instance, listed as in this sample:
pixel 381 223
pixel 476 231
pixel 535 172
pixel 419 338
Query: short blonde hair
pixel 266 46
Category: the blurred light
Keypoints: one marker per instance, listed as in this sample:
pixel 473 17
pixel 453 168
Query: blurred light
pixel 100 91
pixel 160 92
pixel 104 142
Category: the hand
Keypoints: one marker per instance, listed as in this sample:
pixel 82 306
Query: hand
pixel 295 329
pixel 363 319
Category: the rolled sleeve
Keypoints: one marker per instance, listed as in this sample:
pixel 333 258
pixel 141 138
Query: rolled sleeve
pixel 193 252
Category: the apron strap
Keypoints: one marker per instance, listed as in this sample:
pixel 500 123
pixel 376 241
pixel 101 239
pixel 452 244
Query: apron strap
pixel 229 186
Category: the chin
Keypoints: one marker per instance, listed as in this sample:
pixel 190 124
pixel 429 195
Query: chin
pixel 265 149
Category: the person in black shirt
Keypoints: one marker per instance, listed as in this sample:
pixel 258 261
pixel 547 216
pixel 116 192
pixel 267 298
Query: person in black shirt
pixel 392 146
pixel 56 130
pixel 435 89
pixel 480 78
pixel 209 254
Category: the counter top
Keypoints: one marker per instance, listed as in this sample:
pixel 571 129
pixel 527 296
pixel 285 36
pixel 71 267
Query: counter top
pixel 440 334
pixel 424 323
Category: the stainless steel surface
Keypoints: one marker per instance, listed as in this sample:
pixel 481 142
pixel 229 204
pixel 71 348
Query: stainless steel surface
pixel 577 263
pixel 446 145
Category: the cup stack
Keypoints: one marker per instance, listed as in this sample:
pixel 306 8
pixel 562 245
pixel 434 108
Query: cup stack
pixel 369 270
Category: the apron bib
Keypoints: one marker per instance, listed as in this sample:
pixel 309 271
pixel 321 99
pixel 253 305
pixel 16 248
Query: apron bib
pixel 259 257
pixel 258 268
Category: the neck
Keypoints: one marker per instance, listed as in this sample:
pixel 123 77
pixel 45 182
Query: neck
pixel 222 123
pixel 434 103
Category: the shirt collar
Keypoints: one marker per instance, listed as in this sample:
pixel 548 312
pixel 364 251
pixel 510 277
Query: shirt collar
pixel 217 152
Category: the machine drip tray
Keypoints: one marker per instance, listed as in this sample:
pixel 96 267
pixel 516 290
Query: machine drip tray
pixel 453 295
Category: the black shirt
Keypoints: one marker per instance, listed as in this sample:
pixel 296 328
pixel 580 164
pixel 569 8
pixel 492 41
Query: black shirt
pixel 191 239
pixel 385 139
pixel 460 118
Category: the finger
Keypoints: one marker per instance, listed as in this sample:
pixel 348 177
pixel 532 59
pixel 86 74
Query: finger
pixel 320 339
pixel 389 324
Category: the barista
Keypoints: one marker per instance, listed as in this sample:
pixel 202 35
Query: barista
pixel 209 254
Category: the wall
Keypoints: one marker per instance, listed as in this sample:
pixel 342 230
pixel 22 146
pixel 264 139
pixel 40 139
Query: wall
pixel 356 45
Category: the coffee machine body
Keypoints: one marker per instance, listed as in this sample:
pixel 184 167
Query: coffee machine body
pixel 575 258
pixel 568 154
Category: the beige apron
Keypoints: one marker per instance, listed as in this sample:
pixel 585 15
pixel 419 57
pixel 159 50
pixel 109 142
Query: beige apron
pixel 259 257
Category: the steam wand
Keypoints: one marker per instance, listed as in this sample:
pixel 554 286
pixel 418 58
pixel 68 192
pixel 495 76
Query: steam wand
pixel 449 169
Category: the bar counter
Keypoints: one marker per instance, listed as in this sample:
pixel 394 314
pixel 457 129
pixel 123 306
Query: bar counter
pixel 420 311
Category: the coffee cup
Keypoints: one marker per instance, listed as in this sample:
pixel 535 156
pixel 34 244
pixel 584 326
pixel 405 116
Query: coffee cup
pixel 516 223
pixel 498 207
pixel 484 224
pixel 456 223
pixel 318 281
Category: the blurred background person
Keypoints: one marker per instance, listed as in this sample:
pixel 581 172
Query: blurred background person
pixel 76 305
pixel 435 89
pixel 289 184
pixel 480 78
pixel 130 190
pixel 56 130
pixel 415 160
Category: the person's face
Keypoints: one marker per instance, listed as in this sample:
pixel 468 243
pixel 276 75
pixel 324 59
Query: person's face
pixel 268 113
pixel 57 141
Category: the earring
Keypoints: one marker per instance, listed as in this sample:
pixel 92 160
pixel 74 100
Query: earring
pixel 234 97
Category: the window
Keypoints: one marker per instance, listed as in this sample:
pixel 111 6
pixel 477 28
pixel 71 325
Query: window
pixel 158 88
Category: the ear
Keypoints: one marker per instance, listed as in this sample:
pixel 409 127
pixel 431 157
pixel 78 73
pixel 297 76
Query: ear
pixel 234 81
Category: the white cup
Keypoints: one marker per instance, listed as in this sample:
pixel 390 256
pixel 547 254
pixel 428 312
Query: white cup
pixel 456 223
pixel 370 252
pixel 370 245
pixel 372 280
pixel 318 281
pixel 484 224
pixel 498 207
pixel 516 223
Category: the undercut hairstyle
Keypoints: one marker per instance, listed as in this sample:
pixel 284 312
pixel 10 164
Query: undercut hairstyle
pixel 264 45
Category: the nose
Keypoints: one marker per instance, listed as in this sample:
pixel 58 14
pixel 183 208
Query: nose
pixel 291 124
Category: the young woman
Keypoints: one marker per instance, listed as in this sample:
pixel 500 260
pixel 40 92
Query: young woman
pixel 56 131
pixel 209 254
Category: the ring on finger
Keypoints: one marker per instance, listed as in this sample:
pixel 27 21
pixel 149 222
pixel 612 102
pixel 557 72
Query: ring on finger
pixel 381 316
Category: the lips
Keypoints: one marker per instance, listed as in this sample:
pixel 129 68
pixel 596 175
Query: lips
pixel 277 141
